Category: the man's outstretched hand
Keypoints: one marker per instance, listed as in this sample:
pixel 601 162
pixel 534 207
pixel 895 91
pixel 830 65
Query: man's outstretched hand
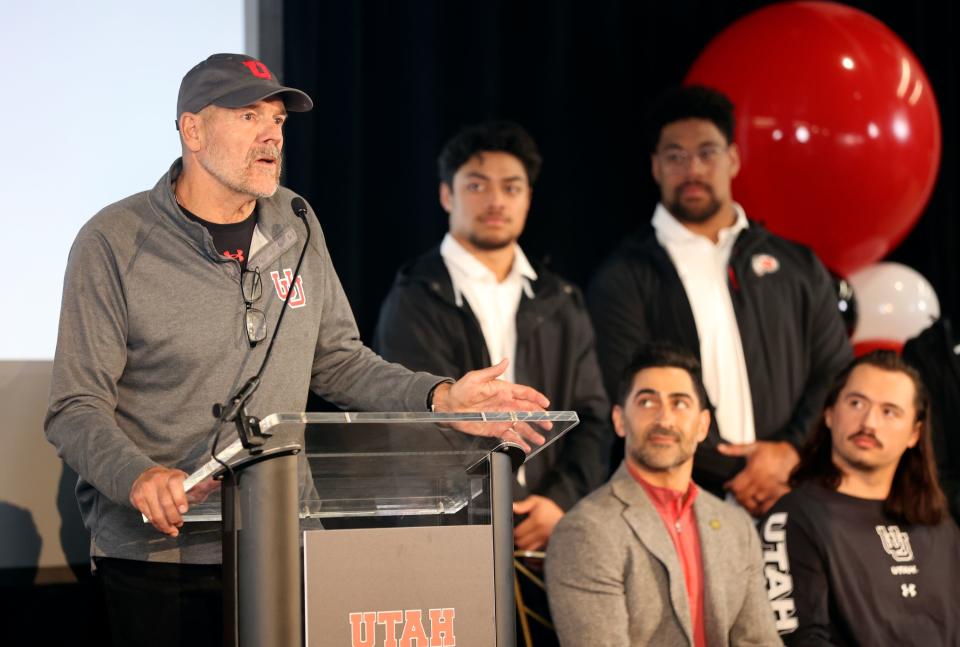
pixel 481 391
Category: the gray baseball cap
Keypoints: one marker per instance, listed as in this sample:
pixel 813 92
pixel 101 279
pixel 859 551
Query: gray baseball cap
pixel 234 81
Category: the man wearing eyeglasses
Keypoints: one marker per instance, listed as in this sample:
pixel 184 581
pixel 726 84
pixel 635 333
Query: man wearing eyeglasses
pixel 170 299
pixel 759 311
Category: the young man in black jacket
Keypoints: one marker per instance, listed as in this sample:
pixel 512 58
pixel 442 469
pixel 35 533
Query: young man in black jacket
pixel 863 551
pixel 475 300
pixel 757 310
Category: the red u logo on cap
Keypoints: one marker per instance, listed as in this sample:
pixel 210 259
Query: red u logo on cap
pixel 258 69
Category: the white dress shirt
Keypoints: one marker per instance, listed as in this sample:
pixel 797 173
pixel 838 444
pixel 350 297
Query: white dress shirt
pixel 493 302
pixel 702 266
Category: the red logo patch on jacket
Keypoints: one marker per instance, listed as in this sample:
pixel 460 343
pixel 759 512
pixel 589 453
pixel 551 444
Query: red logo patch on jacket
pixel 282 284
pixel 764 264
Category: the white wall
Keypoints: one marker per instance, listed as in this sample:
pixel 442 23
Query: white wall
pixel 88 112
pixel 90 94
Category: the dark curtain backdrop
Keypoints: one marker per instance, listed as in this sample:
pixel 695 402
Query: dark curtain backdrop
pixel 393 79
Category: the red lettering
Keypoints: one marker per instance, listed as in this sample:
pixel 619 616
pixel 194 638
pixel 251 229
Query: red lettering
pixel 441 628
pixel 298 299
pixel 413 630
pixel 258 69
pixel 390 619
pixel 363 629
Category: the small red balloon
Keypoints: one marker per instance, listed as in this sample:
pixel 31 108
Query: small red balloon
pixel 837 126
pixel 861 348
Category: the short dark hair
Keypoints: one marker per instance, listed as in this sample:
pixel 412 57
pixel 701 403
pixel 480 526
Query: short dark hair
pixel 489 136
pixel 662 355
pixel 915 495
pixel 690 102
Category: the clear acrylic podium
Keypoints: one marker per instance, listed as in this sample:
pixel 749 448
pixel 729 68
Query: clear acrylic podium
pixel 347 528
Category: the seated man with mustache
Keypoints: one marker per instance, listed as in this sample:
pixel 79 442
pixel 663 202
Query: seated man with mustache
pixel 758 311
pixel 649 558
pixel 863 551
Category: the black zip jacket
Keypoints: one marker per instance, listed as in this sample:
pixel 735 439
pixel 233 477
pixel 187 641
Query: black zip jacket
pixel 421 325
pixel 794 341
pixel 932 353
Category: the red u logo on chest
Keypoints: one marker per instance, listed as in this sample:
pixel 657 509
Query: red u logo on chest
pixel 282 285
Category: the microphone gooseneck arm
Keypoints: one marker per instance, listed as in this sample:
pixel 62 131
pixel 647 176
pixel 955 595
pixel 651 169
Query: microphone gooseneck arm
pixel 235 408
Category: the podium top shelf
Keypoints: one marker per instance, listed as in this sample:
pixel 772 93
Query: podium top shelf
pixel 394 434
pixel 404 417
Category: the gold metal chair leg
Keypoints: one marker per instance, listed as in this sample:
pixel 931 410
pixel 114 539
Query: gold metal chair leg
pixel 522 610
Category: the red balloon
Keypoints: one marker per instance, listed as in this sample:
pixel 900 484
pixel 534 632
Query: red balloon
pixel 837 126
pixel 861 348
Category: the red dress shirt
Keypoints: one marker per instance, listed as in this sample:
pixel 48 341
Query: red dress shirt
pixel 676 510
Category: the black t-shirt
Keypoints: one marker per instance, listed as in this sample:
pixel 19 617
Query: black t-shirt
pixel 842 572
pixel 231 240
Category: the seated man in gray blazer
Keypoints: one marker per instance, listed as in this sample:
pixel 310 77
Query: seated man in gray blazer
pixel 649 558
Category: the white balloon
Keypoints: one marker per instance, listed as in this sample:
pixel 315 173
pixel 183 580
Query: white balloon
pixel 894 302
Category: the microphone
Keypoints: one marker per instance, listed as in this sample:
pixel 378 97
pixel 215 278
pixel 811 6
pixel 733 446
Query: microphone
pixel 235 408
pixel 300 208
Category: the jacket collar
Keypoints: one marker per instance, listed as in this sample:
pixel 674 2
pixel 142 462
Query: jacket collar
pixel 672 231
pixel 273 218
pixel 643 244
pixel 455 254
pixel 452 251
pixel 163 200
pixel 665 498
pixel 430 271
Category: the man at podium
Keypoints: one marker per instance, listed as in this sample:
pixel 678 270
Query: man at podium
pixel 172 300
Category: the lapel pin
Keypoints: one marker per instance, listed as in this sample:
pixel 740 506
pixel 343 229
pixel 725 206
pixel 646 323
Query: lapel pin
pixel 764 264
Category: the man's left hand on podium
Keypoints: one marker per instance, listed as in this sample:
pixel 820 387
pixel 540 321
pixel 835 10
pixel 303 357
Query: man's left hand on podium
pixel 481 390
